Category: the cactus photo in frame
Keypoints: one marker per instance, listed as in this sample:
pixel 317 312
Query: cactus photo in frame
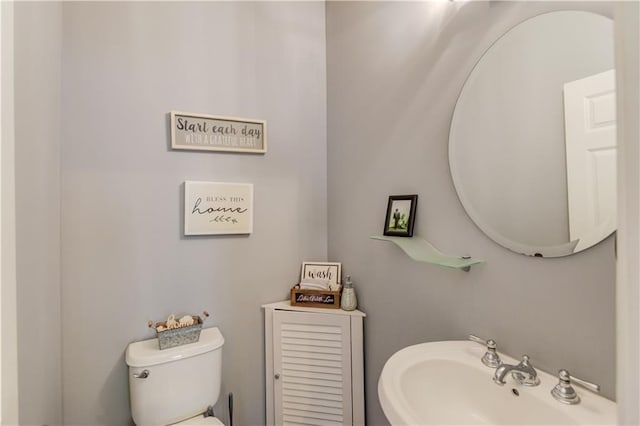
pixel 401 215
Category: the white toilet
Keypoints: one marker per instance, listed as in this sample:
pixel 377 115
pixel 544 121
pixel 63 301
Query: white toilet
pixel 175 385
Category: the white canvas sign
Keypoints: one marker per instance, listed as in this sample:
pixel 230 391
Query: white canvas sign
pixel 330 271
pixel 216 208
pixel 204 132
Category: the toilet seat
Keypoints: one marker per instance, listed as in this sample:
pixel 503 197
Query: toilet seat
pixel 201 421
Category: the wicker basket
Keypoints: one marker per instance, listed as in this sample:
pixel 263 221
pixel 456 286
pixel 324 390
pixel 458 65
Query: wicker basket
pixel 179 336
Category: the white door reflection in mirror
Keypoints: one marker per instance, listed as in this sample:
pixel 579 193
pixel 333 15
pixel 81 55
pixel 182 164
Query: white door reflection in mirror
pixel 590 138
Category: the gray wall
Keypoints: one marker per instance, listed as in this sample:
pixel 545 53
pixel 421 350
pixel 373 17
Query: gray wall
pixel 124 258
pixel 628 281
pixel 38 45
pixel 394 73
pixel 8 290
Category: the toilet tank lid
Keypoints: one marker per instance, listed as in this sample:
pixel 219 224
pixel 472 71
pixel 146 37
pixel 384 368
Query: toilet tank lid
pixel 147 352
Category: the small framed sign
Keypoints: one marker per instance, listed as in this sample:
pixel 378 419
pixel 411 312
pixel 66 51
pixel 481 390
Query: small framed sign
pixel 315 298
pixel 401 215
pixel 215 208
pixel 322 271
pixel 203 132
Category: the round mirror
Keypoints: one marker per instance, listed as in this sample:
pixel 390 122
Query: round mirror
pixel 532 145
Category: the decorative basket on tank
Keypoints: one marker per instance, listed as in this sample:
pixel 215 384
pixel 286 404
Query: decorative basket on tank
pixel 172 333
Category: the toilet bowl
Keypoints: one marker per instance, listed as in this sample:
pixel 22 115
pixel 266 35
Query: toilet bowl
pixel 201 421
pixel 175 386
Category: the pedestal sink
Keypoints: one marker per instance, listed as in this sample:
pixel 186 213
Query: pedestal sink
pixel 444 383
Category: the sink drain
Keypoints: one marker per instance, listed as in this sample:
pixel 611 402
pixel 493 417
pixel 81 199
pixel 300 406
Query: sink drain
pixel 515 392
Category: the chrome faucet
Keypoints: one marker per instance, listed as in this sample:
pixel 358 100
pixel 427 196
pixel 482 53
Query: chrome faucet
pixel 523 373
pixel 491 357
pixel 565 393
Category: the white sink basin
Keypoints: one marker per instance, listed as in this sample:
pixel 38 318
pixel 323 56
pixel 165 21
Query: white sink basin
pixel 444 383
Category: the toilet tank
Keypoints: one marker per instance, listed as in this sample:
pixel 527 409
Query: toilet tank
pixel 181 382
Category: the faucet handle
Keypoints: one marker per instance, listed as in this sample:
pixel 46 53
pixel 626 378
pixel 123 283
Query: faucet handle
pixel 565 393
pixel 491 357
pixel 529 379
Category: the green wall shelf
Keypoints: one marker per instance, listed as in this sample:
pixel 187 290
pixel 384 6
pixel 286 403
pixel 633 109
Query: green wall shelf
pixel 421 250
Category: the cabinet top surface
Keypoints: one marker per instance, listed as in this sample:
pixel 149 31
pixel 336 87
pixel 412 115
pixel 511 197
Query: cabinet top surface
pixel 285 305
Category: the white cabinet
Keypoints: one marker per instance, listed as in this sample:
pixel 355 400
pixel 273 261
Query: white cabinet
pixel 314 366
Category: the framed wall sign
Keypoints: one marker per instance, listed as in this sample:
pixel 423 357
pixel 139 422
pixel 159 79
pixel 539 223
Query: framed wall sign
pixel 215 208
pixel 401 215
pixel 322 271
pixel 203 132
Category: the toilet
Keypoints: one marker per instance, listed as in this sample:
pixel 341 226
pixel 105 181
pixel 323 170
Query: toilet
pixel 176 385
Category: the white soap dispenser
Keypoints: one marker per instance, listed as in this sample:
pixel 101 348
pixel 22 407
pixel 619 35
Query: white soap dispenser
pixel 349 302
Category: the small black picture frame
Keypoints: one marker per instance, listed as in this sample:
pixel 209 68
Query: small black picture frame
pixel 401 215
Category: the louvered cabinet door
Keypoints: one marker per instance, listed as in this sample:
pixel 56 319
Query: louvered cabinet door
pixel 312 369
